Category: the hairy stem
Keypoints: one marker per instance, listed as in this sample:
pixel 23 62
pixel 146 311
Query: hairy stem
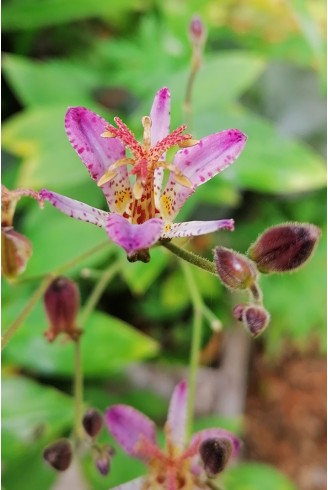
pixel 191 257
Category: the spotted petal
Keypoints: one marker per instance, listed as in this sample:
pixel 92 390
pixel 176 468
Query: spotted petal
pixel 177 415
pixel 136 484
pixel 160 117
pixel 196 228
pixel 75 209
pixel 133 237
pixel 84 129
pixel 130 427
pixel 199 164
pixel 202 435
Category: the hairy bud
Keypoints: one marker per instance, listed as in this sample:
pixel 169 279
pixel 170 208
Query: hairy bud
pixel 16 250
pixel 59 454
pixel 256 319
pixel 238 311
pixel 62 301
pixel 103 459
pixel 92 422
pixel 215 454
pixel 284 247
pixel 234 269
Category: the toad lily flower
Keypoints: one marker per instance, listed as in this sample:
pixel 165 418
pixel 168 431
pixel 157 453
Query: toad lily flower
pixel 143 212
pixel 178 467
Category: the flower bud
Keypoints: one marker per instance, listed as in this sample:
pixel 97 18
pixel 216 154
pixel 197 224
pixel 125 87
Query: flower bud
pixel 256 319
pixel 103 464
pixel 16 250
pixel 92 422
pixel 62 301
pixel 197 31
pixel 59 454
pixel 237 312
pixel 284 247
pixel 215 454
pixel 234 269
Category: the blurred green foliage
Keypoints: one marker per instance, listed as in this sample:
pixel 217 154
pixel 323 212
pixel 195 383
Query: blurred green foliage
pixel 111 57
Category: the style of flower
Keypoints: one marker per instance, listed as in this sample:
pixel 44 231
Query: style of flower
pixel 143 212
pixel 179 466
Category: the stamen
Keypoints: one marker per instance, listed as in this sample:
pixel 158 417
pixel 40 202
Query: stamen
pixel 146 123
pixel 107 134
pixel 187 142
pixel 138 189
pixel 111 172
pixel 175 138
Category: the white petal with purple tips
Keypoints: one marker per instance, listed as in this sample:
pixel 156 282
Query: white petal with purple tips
pixel 133 237
pixel 177 415
pixel 129 427
pixel 75 209
pixel 196 228
pixel 84 129
pixel 199 164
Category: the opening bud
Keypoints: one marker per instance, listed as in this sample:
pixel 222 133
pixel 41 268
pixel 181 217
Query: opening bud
pixel 255 319
pixel 59 454
pixel 62 301
pixel 284 247
pixel 215 454
pixel 234 269
pixel 92 422
pixel 16 250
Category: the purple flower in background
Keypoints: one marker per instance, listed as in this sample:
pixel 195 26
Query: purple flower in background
pixel 180 466
pixel 143 212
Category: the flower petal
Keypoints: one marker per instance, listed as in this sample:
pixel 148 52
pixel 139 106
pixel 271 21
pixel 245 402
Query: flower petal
pixel 75 209
pixel 177 414
pixel 133 237
pixel 202 435
pixel 160 127
pixel 136 484
pixel 199 164
pixel 195 228
pixel 129 427
pixel 84 129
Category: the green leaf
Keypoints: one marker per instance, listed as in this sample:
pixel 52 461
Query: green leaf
pixel 30 14
pixel 255 476
pixel 39 83
pixel 107 344
pixel 31 411
pixel 270 162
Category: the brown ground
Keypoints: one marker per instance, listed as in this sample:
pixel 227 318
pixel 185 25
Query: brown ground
pixel 286 417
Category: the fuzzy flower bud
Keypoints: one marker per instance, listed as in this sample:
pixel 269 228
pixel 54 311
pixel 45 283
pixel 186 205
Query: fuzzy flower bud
pixel 238 310
pixel 284 247
pixel 92 422
pixel 197 31
pixel 103 459
pixel 215 454
pixel 59 454
pixel 255 319
pixel 234 269
pixel 16 250
pixel 62 301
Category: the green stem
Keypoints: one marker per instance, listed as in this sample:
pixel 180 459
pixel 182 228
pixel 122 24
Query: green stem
pixel 89 306
pixel 195 343
pixel 38 293
pixel 190 257
pixel 12 329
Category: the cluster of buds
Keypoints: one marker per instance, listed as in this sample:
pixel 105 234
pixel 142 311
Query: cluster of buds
pixel 62 303
pixel 93 423
pixel 16 249
pixel 281 248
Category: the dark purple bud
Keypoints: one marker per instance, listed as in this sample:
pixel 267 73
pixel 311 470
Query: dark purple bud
pixel 16 250
pixel 59 454
pixel 62 301
pixel 234 269
pixel 197 31
pixel 92 422
pixel 255 319
pixel 238 311
pixel 284 247
pixel 103 464
pixel 215 454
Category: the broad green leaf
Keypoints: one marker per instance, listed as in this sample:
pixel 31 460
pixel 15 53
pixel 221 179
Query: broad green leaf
pixel 270 162
pixel 38 83
pixel 38 137
pixel 30 14
pixel 255 476
pixel 108 344
pixel 31 411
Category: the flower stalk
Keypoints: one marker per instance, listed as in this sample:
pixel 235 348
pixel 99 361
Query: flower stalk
pixel 191 257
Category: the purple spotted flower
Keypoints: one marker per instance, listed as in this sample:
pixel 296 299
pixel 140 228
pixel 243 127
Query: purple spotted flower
pixel 180 466
pixel 142 207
